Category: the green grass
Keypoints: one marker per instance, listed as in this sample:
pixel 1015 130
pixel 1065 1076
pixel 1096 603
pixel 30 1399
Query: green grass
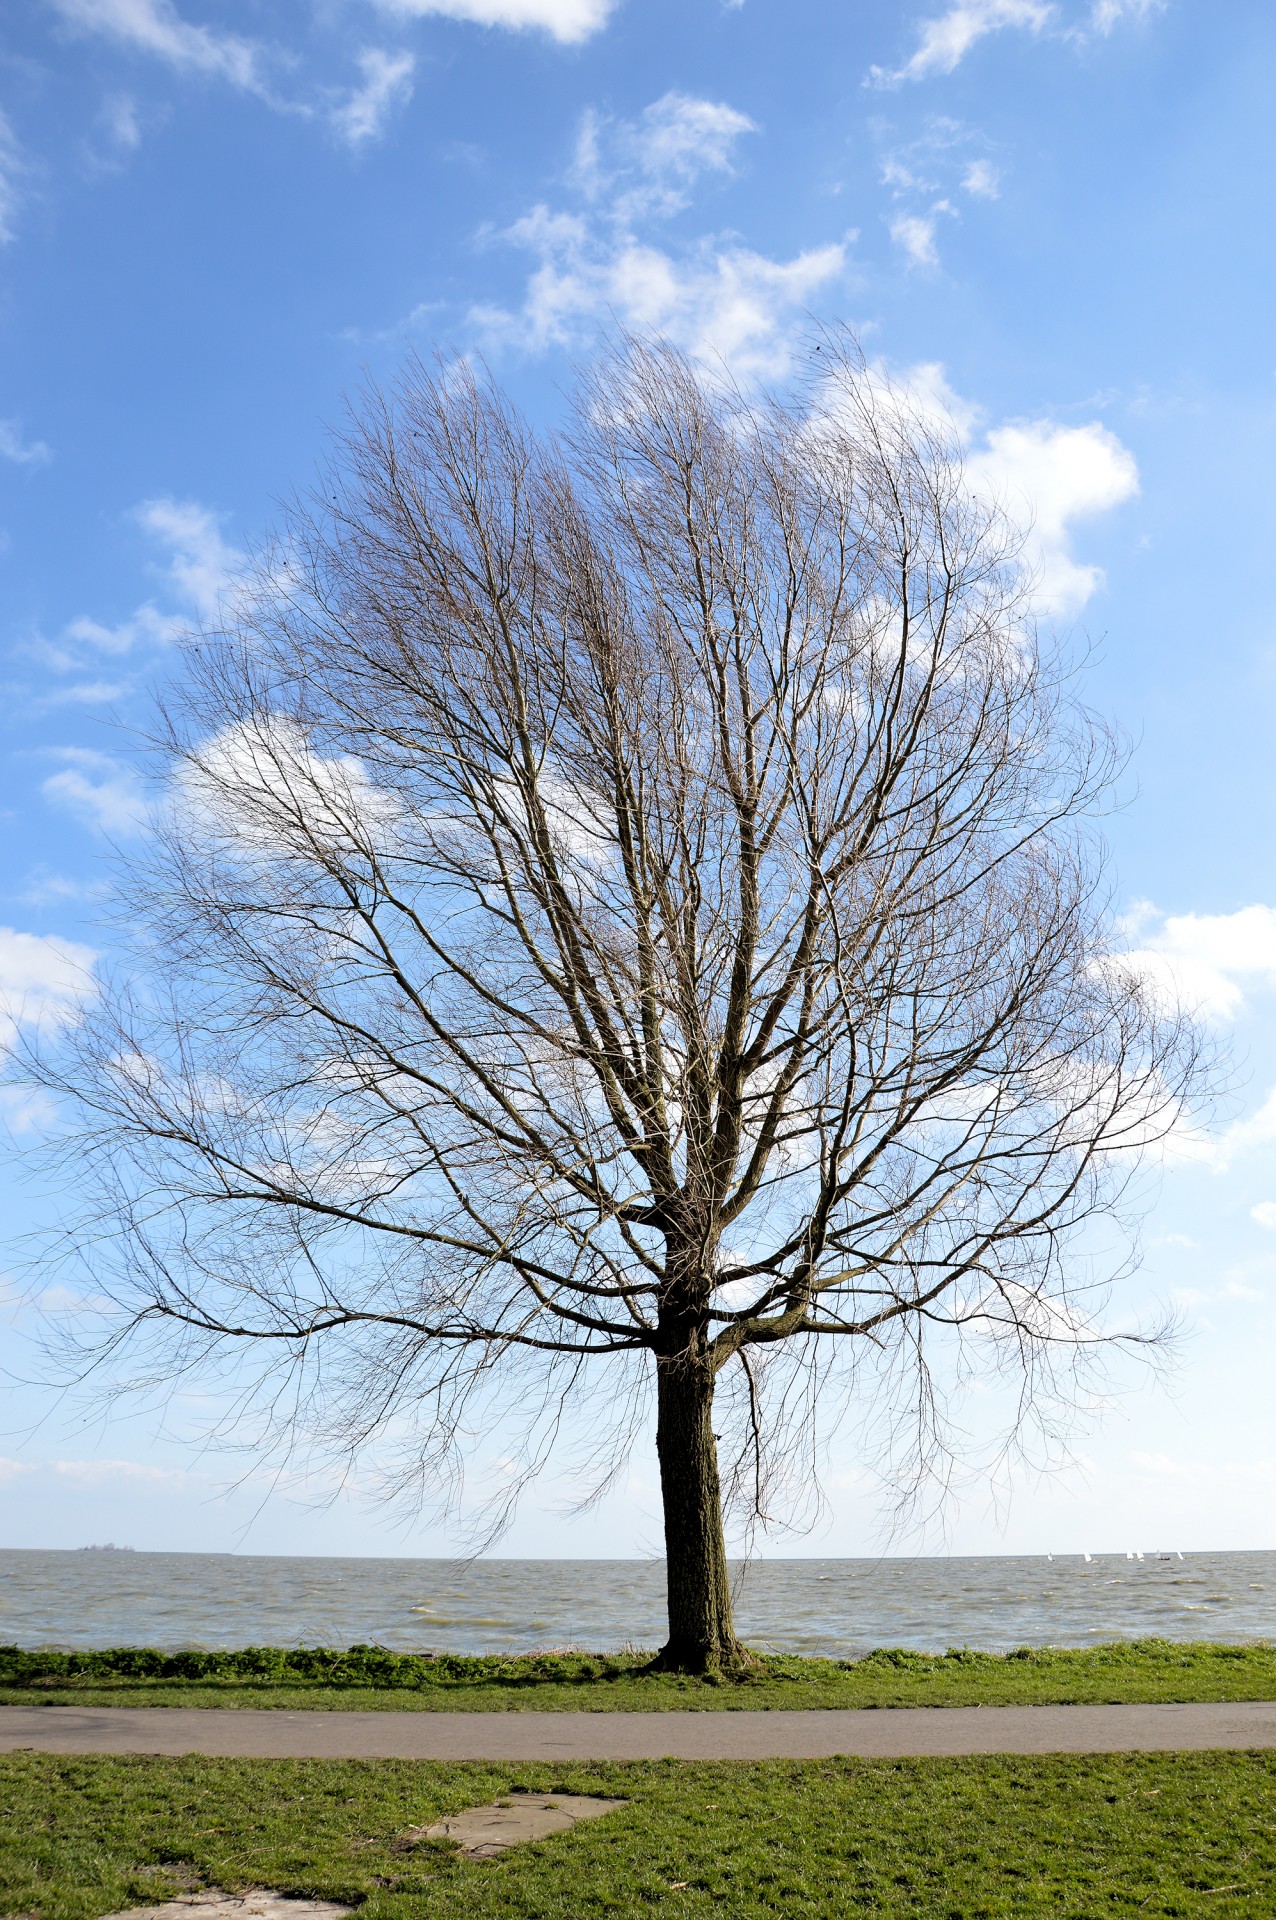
pixel 1134 1834
pixel 370 1677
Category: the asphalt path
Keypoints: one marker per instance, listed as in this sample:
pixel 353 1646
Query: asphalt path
pixel 888 1733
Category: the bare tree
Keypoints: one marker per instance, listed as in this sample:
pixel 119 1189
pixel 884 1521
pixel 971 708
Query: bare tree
pixel 624 906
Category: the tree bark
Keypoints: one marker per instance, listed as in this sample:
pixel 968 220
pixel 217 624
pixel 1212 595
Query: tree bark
pixel 701 1633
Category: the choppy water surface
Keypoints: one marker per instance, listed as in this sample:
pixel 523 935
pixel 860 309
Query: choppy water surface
pixel 839 1607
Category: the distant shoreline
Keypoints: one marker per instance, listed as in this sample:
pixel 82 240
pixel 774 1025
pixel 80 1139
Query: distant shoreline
pixel 1147 1554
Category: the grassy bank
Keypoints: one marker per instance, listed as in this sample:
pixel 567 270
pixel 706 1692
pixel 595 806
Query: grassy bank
pixel 1169 1834
pixel 370 1677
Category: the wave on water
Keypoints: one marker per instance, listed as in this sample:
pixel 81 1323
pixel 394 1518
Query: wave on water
pixel 841 1608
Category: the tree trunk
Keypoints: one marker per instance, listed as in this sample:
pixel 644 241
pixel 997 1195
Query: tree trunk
pixel 701 1634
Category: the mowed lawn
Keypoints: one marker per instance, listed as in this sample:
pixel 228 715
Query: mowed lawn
pixel 1138 1671
pixel 1146 1835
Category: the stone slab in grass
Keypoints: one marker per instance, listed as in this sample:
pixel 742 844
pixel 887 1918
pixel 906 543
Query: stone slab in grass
pixel 483 1832
pixel 257 1904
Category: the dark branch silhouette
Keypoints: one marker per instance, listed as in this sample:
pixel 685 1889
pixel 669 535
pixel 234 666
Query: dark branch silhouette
pixel 624 911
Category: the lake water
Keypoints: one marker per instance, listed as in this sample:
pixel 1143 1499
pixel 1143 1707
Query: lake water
pixel 839 1607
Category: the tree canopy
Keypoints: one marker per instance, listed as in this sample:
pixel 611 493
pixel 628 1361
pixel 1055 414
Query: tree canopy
pixel 625 914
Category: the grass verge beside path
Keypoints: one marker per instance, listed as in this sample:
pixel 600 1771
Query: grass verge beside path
pixel 1152 1835
pixel 1132 1672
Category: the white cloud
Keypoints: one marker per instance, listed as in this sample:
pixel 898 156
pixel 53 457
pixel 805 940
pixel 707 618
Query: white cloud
pixel 24 453
pixel 156 27
pixel 644 169
pixel 261 783
pixel 145 625
pixel 387 84
pixel 96 1473
pixel 1205 961
pixel 1265 1214
pixel 117 132
pixel 679 137
pixel 944 42
pixel 726 303
pixel 945 159
pixel 1107 14
pixel 1254 1133
pixel 1161 1463
pixel 982 180
pixel 1256 1130
pixel 915 233
pixel 98 789
pixel 199 569
pixel 568 21
pixel 1011 1305
pixel 119 117
pixel 1047 477
pixel 44 982
pixel 200 565
pixel 45 888
pixel 1194 1297
pixel 722 303
pixel 719 300
pixel 26 1110
pixel 11 167
pixel 83 693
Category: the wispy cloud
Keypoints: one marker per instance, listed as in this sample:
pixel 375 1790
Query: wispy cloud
pixel 914 233
pixel 646 168
pixel 568 21
pixel 160 30
pixel 12 167
pixel 45 888
pixel 200 565
pixel 99 790
pixel 1254 1132
pixel 198 568
pixel 119 118
pixel 44 982
pixel 387 85
pixel 115 135
pixel 944 42
pixel 24 453
pixel 99 1473
pixel 1108 14
pixel 926 178
pixel 157 28
pixel 982 180
pixel 601 260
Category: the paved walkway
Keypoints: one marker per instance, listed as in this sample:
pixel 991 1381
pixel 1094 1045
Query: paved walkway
pixel 882 1734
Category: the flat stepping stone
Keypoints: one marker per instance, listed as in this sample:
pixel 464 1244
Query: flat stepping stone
pixel 257 1904
pixel 483 1832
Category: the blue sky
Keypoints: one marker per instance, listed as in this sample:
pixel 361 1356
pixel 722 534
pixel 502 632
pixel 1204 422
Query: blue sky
pixel 1054 218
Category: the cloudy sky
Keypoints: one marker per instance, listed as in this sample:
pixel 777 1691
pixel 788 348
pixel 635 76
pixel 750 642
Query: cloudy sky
pixel 217 216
